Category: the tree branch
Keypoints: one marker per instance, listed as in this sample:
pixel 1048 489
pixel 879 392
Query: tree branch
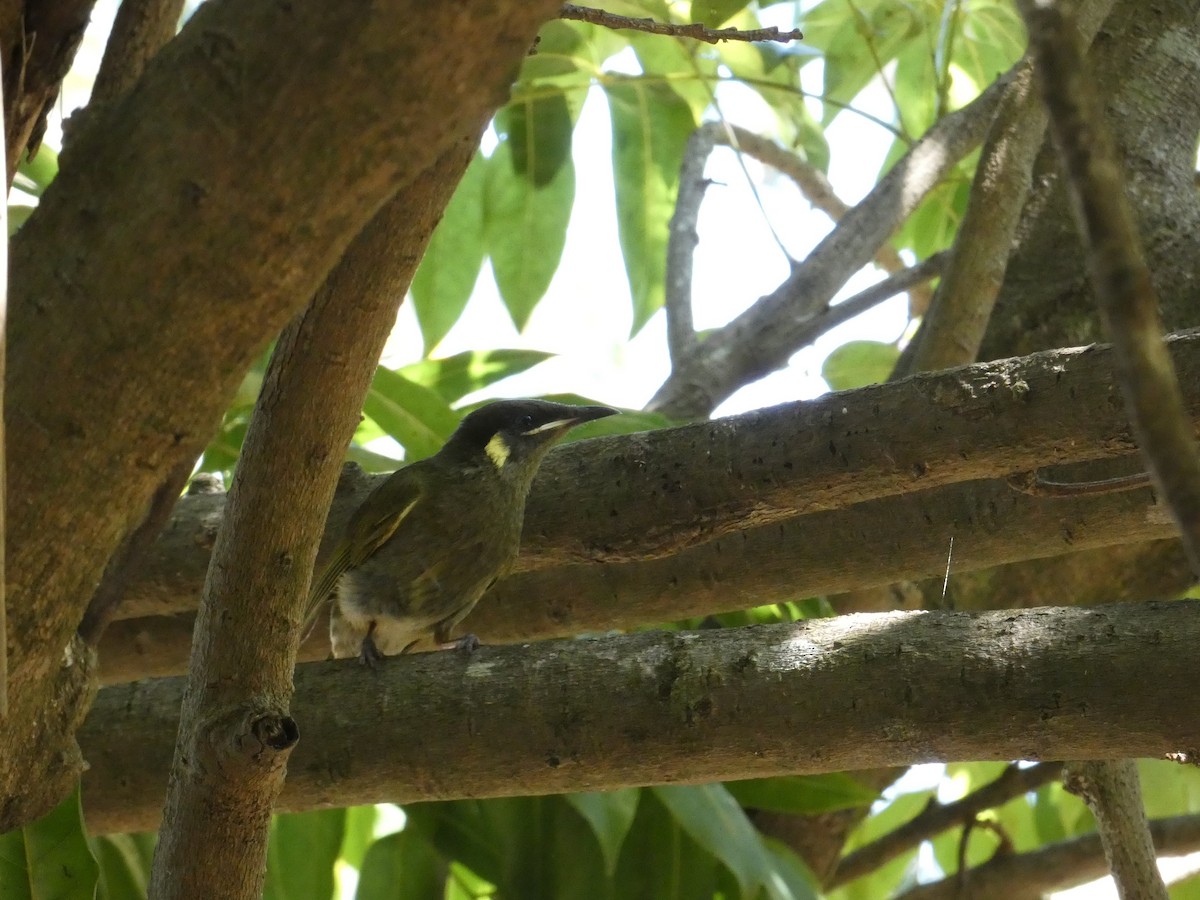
pixel 762 339
pixel 1118 270
pixel 937 817
pixel 140 29
pixel 836 694
pixel 691 30
pixel 1033 875
pixel 207 168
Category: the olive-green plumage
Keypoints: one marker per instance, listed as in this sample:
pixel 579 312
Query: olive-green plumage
pixel 425 545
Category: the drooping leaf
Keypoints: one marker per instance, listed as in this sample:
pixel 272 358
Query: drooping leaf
pixel 883 882
pixel 651 125
pixel 124 861
pixel 358 834
pixel 660 859
pixel 301 854
pixel 525 229
pixel 790 877
pixel 453 377
pixel 49 857
pixel 610 815
pixel 715 821
pixel 807 795
pixel 858 363
pixel 446 277
pixel 414 415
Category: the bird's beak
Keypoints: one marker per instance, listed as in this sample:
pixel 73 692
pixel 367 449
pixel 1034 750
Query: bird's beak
pixel 579 415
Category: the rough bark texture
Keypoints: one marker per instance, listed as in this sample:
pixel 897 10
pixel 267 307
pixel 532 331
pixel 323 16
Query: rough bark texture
pixel 851 692
pixel 192 218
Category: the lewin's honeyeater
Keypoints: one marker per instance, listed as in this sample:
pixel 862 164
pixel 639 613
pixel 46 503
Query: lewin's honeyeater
pixel 427 542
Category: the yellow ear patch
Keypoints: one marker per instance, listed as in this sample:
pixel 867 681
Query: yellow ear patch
pixel 497 450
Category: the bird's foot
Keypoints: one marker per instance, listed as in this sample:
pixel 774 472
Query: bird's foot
pixel 368 654
pixel 468 643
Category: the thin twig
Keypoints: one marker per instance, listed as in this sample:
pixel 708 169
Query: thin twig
pixel 938 817
pixel 763 338
pixel 815 187
pixel 691 30
pixel 681 245
pixel 1037 485
pixel 1054 867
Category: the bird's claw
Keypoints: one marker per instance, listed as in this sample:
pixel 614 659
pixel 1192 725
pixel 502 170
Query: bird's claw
pixel 368 654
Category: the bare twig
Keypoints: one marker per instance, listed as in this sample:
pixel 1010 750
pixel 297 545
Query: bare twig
pixel 937 817
pixel 764 337
pixel 1111 791
pixel 236 730
pixel 681 244
pixel 1037 485
pixel 815 187
pixel 1056 867
pixel 691 30
pixel 1122 281
pixel 140 28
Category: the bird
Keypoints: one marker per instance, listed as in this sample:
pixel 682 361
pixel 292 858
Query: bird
pixel 430 540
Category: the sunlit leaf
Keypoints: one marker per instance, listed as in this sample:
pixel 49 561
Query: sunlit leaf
pixel 858 363
pixel 124 865
pixel 453 377
pixel 446 277
pixel 525 229
pixel 34 175
pixel 651 125
pixel 401 866
pixel 417 417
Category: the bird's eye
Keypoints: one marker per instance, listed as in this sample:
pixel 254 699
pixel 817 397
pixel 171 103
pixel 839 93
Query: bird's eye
pixel 525 423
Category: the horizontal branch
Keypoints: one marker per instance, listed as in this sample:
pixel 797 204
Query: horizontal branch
pixel 837 694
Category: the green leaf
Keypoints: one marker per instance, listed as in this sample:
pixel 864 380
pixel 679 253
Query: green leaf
pixel 415 416
pixel 370 460
pixel 539 130
pixel 301 854
pixel 659 859
pixel 713 819
pixel 715 13
pixel 807 795
pixel 124 865
pixel 358 834
pixel 34 175
pixel 446 277
pixel 453 377
pixel 884 880
pixel 610 814
pixel 401 866
pixel 18 214
pixel 651 125
pixel 858 363
pixel 525 228
pixel 50 857
pixel 790 877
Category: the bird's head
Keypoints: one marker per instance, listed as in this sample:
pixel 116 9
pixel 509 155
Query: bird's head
pixel 514 435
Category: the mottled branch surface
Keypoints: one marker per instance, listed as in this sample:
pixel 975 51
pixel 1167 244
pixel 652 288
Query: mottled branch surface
pixel 176 255
pixel 838 694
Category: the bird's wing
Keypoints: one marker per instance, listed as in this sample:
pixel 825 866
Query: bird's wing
pixel 369 529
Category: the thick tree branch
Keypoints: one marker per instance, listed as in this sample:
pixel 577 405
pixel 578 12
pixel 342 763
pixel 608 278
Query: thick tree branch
pixel 244 649
pixel 937 817
pixel 207 168
pixel 763 338
pixel 1033 875
pixel 835 694
pixel 139 30
pixel 1118 269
